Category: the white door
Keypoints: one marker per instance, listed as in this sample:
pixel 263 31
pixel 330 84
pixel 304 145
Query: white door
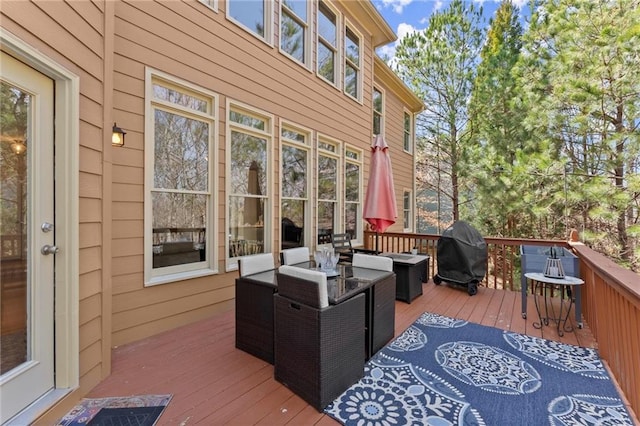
pixel 27 229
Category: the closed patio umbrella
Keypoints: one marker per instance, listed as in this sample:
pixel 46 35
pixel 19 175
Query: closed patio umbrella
pixel 380 201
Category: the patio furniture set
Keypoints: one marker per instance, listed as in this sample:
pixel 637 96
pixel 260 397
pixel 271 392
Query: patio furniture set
pixel 317 327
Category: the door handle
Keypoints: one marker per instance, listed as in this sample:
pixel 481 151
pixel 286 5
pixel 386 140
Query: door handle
pixel 47 249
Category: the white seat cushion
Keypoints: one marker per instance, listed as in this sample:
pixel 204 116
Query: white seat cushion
pixel 372 262
pixel 255 263
pixel 317 277
pixel 295 255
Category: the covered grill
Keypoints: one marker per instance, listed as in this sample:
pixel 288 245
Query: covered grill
pixel 462 257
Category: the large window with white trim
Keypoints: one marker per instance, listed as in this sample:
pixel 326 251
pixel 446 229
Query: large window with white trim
pixel 353 193
pixel 254 15
pixel 328 189
pixel 327 62
pixel 249 141
pixel 295 180
pixel 295 29
pixel 352 64
pixel 179 178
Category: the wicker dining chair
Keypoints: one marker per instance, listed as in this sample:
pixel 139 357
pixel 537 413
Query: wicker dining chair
pixel 254 307
pixel 295 255
pixel 382 263
pixel 319 349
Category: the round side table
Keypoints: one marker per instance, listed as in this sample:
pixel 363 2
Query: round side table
pixel 548 285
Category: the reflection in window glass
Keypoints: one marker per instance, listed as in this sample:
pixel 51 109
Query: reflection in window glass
pixel 407 214
pixel 377 112
pixel 327 178
pixel 352 198
pixel 327 43
pixel 407 131
pixel 178 97
pixel 248 182
pixel 293 29
pixel 181 152
pixel 249 13
pixel 326 221
pixel 292 226
pixel 352 64
pixel 294 172
pixel 181 194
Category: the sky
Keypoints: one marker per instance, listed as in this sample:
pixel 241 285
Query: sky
pixel 405 16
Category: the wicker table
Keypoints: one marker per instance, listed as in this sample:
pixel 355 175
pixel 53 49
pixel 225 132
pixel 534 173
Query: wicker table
pixel 379 288
pixel 570 285
pixel 411 271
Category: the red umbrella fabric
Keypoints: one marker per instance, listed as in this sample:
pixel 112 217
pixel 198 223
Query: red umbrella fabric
pixel 380 201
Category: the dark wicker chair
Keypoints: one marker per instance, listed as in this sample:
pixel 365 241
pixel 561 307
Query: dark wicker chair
pixel 254 308
pixel 342 244
pixel 319 352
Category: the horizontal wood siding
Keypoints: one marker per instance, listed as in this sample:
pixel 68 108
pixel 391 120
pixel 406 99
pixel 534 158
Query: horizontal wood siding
pixel 188 40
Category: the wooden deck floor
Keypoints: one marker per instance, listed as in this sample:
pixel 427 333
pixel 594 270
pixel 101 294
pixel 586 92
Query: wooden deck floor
pixel 214 383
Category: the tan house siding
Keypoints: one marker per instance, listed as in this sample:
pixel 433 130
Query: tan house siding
pixel 110 46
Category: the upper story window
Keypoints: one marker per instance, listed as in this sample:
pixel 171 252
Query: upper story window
pixel 254 15
pixel 249 156
pixel 295 179
pixel 213 4
pixel 353 193
pixel 328 189
pixel 378 103
pixel 294 29
pixel 179 193
pixel 407 210
pixel 408 132
pixel 328 64
pixel 352 65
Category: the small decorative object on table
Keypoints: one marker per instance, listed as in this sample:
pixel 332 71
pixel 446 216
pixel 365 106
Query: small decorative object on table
pixel 553 267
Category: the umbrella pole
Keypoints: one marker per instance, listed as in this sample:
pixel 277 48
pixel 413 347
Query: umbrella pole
pixel 377 242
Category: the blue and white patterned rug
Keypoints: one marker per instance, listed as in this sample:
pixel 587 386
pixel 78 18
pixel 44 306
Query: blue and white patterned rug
pixel 443 371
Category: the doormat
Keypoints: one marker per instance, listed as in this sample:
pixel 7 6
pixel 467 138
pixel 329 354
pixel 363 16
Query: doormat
pixel 447 371
pixel 88 408
pixel 137 416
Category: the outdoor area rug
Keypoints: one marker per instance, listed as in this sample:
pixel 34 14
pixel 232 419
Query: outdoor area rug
pixel 444 371
pixel 142 410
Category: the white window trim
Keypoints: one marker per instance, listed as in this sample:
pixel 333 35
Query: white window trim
pixel 338 155
pixel 309 214
pixel 308 38
pixel 357 239
pixel 268 20
pixel 178 273
pixel 211 4
pixel 338 58
pixel 411 210
pixel 412 131
pixel 383 93
pixel 344 59
pixel 268 133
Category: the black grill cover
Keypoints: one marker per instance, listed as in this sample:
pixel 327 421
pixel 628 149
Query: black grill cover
pixel 462 254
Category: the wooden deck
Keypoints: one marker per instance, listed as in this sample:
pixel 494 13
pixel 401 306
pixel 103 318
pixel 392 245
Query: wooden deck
pixel 214 383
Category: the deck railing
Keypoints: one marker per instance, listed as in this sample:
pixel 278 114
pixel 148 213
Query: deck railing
pixel 610 296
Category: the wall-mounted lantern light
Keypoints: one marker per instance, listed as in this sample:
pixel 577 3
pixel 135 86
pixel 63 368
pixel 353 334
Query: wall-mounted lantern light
pixel 117 137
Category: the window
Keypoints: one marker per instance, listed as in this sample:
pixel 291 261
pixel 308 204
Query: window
pixel 408 132
pixel 179 193
pixel 407 210
pixel 294 29
pixel 377 111
pixel 248 144
pixel 328 185
pixel 295 179
pixel 352 75
pixel 254 15
pixel 327 67
pixel 353 193
pixel 213 4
